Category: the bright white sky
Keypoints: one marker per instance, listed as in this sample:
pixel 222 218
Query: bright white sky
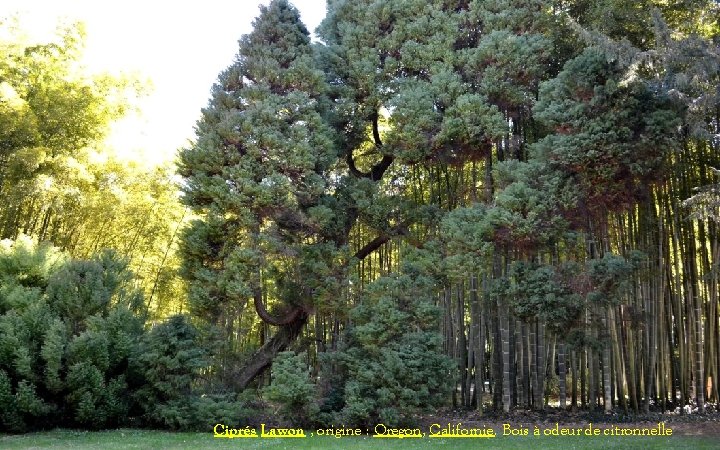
pixel 181 46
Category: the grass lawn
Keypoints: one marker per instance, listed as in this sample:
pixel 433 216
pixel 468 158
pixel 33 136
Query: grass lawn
pixel 142 439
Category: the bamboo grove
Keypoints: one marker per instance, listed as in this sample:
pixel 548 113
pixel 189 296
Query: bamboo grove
pixel 58 180
pixel 540 174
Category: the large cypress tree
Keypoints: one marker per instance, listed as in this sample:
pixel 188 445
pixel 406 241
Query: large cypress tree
pixel 289 161
pixel 314 160
pixel 259 177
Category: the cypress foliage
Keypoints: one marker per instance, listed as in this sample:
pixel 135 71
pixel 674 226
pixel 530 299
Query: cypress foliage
pixel 259 176
pixel 537 154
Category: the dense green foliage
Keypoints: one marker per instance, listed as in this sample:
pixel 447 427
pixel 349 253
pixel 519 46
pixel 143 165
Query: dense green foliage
pixel 509 141
pixel 390 363
pixel 293 389
pixel 70 331
pixel 172 358
pixel 433 198
pixel 75 351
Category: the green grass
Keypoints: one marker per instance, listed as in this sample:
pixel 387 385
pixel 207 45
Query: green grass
pixel 142 439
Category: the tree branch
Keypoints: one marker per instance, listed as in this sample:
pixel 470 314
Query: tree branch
pixel 353 168
pixel 378 170
pixel 270 319
pixel 399 230
pixel 372 246
pixel 262 359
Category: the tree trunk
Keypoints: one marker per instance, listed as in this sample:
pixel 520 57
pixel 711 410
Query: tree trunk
pixel 618 359
pixel 562 375
pixel 606 349
pixel 532 363
pixel 477 340
pixel 520 352
pixel 263 357
pixel 497 357
pixel 574 368
pixel 550 366
pixel 540 371
pixel 462 350
pixel 699 369
pixel 505 337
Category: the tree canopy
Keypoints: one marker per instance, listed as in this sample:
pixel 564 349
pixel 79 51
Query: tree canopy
pixel 511 143
pixel 486 204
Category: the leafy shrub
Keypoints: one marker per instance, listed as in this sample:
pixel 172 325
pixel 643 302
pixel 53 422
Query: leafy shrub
pixel 74 350
pixel 68 329
pixel 293 389
pixel 171 361
pixel 392 364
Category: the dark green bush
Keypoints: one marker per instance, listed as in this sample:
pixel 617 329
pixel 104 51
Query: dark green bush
pixel 68 331
pixel 172 360
pixel 391 365
pixel 74 350
pixel 293 389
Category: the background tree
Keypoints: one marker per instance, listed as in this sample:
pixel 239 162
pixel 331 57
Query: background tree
pixel 51 111
pixel 57 182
